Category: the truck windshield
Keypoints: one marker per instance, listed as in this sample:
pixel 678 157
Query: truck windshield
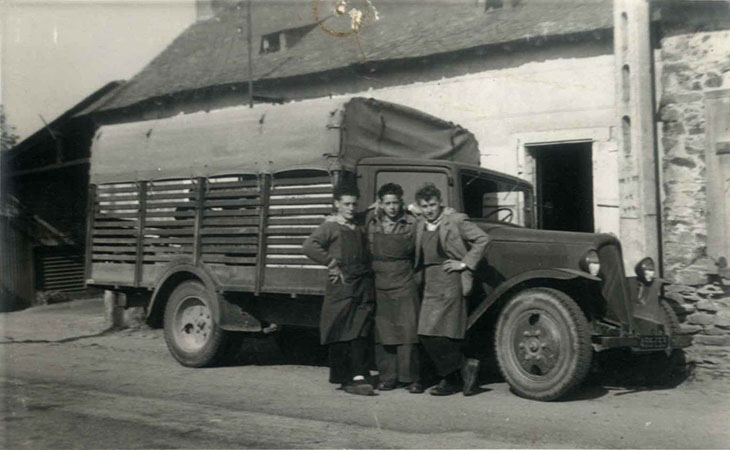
pixel 496 200
pixel 412 181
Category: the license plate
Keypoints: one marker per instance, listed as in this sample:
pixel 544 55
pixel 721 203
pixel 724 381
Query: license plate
pixel 654 342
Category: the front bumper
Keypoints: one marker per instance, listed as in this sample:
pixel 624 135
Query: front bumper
pixel 644 343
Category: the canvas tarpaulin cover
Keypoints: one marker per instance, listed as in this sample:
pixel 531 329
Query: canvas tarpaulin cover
pixel 325 134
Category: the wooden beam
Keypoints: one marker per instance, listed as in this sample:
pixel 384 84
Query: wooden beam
pixel 55 166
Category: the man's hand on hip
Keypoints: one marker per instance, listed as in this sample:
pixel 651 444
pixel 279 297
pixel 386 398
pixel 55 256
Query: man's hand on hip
pixel 336 275
pixel 452 265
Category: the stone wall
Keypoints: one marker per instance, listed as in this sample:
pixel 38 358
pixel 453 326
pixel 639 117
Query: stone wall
pixel 690 65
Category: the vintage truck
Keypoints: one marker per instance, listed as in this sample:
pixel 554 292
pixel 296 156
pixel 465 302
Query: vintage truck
pixel 200 218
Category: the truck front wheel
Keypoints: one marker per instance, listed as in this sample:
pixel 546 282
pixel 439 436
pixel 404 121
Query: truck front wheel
pixel 191 332
pixel 543 344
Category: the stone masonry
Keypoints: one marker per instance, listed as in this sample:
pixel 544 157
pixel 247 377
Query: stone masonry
pixel 691 64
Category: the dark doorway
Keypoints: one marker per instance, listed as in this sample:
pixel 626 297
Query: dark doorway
pixel 564 185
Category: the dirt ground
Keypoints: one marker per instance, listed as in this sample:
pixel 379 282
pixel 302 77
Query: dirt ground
pixel 68 383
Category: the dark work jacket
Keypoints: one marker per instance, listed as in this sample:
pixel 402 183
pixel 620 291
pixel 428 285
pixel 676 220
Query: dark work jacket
pixel 348 307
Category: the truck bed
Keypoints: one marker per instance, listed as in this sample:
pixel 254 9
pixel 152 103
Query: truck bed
pixel 247 230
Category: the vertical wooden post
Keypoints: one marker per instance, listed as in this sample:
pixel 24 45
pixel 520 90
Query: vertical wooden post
pixel 141 217
pixel 264 191
pixel 249 36
pixel 199 211
pixel 113 313
pixel 90 217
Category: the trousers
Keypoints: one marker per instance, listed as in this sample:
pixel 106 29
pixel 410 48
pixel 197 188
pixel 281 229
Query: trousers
pixel 446 354
pixel 348 359
pixel 398 362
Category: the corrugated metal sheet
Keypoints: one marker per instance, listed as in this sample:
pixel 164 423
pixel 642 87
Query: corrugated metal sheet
pixel 60 269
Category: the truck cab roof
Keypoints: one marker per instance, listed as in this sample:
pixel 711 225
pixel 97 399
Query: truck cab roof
pixel 412 162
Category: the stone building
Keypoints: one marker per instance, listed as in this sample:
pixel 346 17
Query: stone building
pixel 616 110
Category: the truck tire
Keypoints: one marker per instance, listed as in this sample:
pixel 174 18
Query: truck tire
pixel 543 344
pixel 191 332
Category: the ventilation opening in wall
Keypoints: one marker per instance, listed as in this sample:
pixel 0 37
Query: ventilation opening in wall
pixel 564 186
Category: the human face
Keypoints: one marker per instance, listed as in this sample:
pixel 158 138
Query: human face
pixel 345 206
pixel 431 208
pixel 392 205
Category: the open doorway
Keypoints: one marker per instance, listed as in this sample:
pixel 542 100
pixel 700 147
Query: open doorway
pixel 564 186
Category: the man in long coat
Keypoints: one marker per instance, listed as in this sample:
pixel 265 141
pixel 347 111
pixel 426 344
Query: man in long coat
pixel 347 310
pixel 391 237
pixel 448 249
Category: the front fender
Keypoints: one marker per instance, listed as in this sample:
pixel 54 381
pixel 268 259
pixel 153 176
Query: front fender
pixel 554 274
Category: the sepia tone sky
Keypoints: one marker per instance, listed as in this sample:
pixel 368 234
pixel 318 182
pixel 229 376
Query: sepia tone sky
pixel 57 52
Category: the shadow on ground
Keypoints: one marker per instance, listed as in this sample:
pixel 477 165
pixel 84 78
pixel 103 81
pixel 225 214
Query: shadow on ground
pixel 287 346
pixel 611 370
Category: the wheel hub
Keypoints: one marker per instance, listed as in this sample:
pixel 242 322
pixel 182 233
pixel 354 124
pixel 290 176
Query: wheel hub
pixel 192 323
pixel 538 343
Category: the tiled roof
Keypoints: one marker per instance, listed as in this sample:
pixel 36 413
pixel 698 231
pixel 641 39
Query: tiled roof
pixel 214 52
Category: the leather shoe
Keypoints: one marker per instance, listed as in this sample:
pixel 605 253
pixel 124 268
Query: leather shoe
pixel 470 375
pixel 387 385
pixel 445 388
pixel 415 388
pixel 359 387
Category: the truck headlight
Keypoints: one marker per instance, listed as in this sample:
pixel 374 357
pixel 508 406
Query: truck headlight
pixel 590 263
pixel 645 270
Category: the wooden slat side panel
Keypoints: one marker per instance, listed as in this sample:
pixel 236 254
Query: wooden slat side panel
pixel 297 207
pixel 169 222
pixel 115 225
pixel 299 201
pixel 229 193
pixel 215 184
pixel 233 249
pixel 220 212
pixel 230 218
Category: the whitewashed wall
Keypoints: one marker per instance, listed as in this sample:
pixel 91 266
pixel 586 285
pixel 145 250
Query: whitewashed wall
pixel 555 100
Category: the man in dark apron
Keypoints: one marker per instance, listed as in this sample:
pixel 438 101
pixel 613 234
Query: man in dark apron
pixel 391 239
pixel 448 248
pixel 349 302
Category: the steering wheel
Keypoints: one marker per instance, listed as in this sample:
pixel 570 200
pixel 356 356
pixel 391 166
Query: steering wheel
pixel 507 218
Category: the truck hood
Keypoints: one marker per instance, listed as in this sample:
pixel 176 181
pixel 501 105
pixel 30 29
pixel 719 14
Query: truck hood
pixel 507 233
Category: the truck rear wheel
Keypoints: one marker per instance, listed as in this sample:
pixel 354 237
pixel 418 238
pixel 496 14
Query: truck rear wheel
pixel 543 344
pixel 191 332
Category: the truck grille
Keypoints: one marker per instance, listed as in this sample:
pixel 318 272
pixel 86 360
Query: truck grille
pixel 615 289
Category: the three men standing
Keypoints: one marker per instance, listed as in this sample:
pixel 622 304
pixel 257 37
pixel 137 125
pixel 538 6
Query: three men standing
pixel 445 246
